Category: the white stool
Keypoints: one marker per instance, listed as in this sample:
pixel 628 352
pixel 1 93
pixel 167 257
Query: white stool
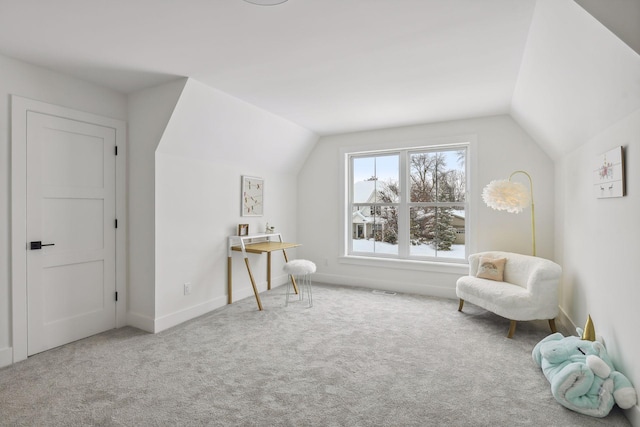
pixel 302 269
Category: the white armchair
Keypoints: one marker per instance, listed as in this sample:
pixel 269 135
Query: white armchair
pixel 529 290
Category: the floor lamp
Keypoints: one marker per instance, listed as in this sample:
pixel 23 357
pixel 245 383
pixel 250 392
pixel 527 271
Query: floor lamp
pixel 506 195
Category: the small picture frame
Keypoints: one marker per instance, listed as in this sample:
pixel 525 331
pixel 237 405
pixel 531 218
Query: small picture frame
pixel 243 229
pixel 609 174
pixel 252 196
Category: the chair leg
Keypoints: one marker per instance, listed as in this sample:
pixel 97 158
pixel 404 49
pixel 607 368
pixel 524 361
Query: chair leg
pixel 300 279
pixel 461 304
pixel 512 329
pixel 286 301
pixel 303 283
pixel 309 290
pixel 552 325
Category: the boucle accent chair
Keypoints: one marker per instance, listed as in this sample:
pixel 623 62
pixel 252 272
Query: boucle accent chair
pixel 528 290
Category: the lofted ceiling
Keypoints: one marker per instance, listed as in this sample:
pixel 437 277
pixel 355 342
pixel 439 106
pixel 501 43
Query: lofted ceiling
pixel 331 66
pixel 328 65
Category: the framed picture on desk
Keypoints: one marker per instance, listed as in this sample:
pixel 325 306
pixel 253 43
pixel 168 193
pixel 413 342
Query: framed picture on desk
pixel 243 229
pixel 252 196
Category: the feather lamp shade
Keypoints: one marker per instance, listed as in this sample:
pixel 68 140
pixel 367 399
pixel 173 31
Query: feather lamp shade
pixel 504 195
pixel 513 197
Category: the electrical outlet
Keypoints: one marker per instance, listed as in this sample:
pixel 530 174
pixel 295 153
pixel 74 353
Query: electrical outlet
pixel 187 288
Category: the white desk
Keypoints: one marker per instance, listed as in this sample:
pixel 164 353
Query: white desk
pixel 256 244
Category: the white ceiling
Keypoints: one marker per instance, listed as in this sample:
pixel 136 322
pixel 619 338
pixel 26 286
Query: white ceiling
pixel 328 65
pixel 336 66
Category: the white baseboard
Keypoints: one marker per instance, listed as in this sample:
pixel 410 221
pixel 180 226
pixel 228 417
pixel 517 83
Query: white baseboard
pixel 409 288
pixel 174 319
pixel 159 324
pixel 140 321
pixel 633 415
pixel 565 325
pixel 247 292
pixel 6 357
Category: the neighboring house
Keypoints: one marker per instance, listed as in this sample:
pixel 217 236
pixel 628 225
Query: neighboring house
pixel 365 221
pixel 458 223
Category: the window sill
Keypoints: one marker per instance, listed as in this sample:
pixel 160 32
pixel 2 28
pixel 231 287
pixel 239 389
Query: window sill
pixel 405 264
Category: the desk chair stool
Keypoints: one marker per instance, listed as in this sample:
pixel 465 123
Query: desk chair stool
pixel 301 269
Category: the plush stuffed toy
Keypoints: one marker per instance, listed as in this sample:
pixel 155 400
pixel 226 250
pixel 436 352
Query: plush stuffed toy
pixel 582 376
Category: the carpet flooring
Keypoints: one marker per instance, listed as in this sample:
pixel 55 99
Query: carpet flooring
pixel 356 358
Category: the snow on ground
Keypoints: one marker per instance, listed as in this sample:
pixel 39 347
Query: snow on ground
pixel 424 250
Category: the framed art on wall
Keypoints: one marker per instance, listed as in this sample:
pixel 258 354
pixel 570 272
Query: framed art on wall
pixel 608 174
pixel 252 196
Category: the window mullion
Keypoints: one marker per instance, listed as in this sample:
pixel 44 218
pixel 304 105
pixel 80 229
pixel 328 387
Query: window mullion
pixel 351 204
pixel 403 210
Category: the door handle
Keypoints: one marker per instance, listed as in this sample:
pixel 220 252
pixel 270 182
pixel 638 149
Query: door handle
pixel 38 245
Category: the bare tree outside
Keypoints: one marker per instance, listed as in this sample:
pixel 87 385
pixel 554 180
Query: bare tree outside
pixel 432 181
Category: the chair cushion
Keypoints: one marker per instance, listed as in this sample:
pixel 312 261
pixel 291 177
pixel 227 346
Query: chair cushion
pixel 299 266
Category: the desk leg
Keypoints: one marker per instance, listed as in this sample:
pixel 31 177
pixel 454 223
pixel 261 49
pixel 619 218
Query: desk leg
pixel 268 271
pixel 293 279
pixel 229 287
pixel 253 283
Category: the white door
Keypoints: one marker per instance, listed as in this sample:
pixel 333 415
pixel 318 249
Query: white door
pixel 71 279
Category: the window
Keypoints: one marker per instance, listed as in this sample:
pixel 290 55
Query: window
pixel 409 203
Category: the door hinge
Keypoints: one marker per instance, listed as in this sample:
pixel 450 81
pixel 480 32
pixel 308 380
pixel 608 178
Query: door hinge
pixel 116 150
pixel 116 296
pixel 116 223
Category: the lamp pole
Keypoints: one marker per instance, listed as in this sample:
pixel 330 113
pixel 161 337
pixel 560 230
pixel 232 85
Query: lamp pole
pixel 533 215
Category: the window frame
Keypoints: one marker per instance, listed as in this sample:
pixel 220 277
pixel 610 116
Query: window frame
pixel 403 259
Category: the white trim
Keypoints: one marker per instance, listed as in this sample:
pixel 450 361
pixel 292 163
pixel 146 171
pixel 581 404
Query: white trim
pixel 633 415
pixel 386 285
pixel 19 108
pixel 406 264
pixel 432 143
pixel 178 317
pixel 123 223
pixel 140 321
pixel 564 324
pixel 470 140
pixel 6 357
pixel 246 292
pixel 343 194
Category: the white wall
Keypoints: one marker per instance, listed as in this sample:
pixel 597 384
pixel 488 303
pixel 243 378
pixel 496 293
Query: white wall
pixel 501 147
pixel 211 140
pixel 598 247
pixel 149 112
pixel 578 95
pixel 28 81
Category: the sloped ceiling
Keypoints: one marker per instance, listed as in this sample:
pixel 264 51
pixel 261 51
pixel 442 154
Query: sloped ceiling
pixel 622 17
pixel 210 125
pixel 336 66
pixel 330 66
pixel 576 79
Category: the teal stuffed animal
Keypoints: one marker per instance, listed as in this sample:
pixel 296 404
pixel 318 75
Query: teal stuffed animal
pixel 582 376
